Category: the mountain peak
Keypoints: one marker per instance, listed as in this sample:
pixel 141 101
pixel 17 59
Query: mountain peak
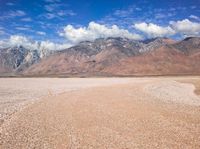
pixel 110 55
pixel 159 39
pixel 191 38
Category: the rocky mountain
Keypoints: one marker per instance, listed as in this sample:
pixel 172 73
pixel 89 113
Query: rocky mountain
pixel 17 59
pixel 91 57
pixel 108 57
pixel 190 45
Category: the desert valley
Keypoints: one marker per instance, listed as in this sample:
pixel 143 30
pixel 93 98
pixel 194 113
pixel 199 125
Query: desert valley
pixel 99 74
pixel 102 113
pixel 45 104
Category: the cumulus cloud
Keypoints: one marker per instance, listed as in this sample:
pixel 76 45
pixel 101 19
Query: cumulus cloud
pixel 94 31
pixel 153 30
pixel 53 46
pixel 186 27
pixel 182 27
pixel 16 40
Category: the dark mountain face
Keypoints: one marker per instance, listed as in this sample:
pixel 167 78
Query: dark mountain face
pixel 112 56
pixel 190 45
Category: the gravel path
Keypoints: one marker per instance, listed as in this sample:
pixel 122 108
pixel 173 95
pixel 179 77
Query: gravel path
pixel 126 114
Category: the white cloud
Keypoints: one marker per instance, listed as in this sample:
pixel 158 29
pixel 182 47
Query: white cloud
pixel 23 28
pixel 59 15
pixel 153 30
pixel 55 10
pixel 53 46
pixel 16 40
pixel 194 17
pixel 138 8
pixel 49 15
pixel 12 14
pixel 66 13
pixel 51 7
pixel 51 1
pixel 126 12
pixel 17 13
pixel 41 33
pixel 122 13
pixel 94 31
pixel 2 32
pixel 193 7
pixel 26 19
pixel 10 4
pixel 186 27
pixel 160 16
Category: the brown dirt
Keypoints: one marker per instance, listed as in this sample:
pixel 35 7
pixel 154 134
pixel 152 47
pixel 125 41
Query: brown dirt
pixel 119 116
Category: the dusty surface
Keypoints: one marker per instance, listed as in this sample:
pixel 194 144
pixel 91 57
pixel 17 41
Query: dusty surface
pixel 173 92
pixel 195 82
pixel 15 93
pixel 126 114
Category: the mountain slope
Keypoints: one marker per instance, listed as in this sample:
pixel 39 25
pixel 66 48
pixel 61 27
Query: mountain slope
pixel 108 57
pixel 190 45
pixel 15 58
pixel 119 56
pixel 162 61
pixel 18 58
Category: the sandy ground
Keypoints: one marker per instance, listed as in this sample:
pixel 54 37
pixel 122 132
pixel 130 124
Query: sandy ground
pixel 195 82
pixel 15 93
pixel 104 113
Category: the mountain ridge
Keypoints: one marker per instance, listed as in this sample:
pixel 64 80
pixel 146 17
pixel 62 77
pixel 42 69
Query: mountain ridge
pixel 119 56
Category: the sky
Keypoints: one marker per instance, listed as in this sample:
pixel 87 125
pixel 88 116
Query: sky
pixel 59 24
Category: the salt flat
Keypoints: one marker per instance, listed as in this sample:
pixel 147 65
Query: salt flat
pixel 143 112
pixel 17 92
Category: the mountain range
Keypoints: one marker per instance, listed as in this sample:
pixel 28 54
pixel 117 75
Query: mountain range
pixel 106 57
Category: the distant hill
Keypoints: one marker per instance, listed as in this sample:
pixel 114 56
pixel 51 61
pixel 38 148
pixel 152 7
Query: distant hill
pixel 108 57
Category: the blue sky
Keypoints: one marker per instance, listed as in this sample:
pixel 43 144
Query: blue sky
pixel 49 19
